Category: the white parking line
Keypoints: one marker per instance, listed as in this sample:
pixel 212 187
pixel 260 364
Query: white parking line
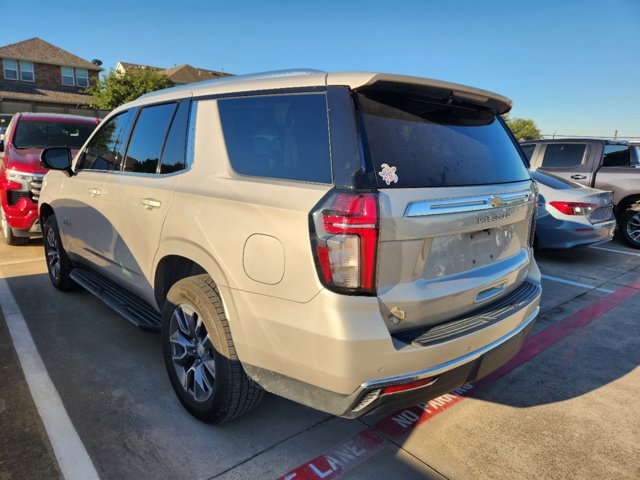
pixel 73 459
pixel 575 284
pixel 18 262
pixel 615 250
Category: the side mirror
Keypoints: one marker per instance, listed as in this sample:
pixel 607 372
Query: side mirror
pixel 56 158
pixel 1 146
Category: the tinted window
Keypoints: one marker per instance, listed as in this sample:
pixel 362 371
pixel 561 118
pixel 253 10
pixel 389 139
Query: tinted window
pixel 563 155
pixel 147 139
pixel 106 149
pixel 554 181
pixel 416 141
pixel 41 134
pixel 174 149
pixel 616 156
pixel 528 150
pixel 278 136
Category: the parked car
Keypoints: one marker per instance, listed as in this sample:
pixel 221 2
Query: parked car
pixel 610 165
pixel 354 242
pixel 570 214
pixel 5 118
pixel 20 171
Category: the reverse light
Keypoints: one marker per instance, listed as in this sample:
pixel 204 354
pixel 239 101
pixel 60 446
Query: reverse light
pixel 574 208
pixel 344 232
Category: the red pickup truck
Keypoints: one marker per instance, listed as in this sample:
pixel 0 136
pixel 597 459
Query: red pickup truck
pixel 612 165
pixel 20 171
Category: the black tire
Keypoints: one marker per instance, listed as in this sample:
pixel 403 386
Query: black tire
pixel 192 310
pixel 7 234
pixel 630 227
pixel 58 264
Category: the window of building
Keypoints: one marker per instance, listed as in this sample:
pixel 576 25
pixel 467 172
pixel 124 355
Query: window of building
pixel 82 77
pixel 67 76
pixel 563 155
pixel 10 69
pixel 147 139
pixel 278 136
pixel 26 71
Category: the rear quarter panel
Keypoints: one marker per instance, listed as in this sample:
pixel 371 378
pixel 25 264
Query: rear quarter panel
pixel 215 212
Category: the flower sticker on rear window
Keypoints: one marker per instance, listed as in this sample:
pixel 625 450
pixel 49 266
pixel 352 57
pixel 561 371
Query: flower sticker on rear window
pixel 388 174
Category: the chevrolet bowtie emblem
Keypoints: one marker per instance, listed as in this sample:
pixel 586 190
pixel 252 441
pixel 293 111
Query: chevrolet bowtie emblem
pixel 495 201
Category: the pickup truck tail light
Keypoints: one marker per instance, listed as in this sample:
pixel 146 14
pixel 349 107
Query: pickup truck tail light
pixel 344 236
pixel 574 208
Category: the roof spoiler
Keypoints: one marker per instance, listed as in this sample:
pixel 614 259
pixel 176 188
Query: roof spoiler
pixel 498 104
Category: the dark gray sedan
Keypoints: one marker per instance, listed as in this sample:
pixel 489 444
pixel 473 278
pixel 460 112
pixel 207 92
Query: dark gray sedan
pixel 570 214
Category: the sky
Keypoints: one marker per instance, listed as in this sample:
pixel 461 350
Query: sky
pixel 571 66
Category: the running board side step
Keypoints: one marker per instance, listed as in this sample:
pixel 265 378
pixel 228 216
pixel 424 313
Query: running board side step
pixel 130 306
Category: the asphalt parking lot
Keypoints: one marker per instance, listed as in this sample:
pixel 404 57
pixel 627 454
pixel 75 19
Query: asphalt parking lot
pixel 566 407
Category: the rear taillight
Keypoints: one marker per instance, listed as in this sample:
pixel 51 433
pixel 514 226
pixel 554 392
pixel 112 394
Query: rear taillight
pixel 574 208
pixel 344 234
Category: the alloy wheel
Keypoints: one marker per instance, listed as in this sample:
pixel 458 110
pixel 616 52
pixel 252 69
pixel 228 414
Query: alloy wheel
pixel 53 254
pixel 192 352
pixel 633 228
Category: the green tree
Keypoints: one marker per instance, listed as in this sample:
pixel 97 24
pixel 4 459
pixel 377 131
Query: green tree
pixel 114 88
pixel 523 128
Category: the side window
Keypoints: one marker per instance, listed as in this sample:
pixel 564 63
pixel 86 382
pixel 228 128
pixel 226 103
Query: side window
pixel 278 136
pixel 106 148
pixel 173 155
pixel 147 139
pixel 528 150
pixel 563 155
pixel 616 156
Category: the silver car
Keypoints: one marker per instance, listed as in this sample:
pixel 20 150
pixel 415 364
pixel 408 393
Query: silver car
pixel 570 214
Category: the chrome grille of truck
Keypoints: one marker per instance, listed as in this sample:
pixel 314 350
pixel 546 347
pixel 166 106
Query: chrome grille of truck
pixel 35 186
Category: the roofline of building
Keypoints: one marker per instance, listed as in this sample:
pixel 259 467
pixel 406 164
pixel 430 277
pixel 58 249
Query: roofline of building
pixel 41 100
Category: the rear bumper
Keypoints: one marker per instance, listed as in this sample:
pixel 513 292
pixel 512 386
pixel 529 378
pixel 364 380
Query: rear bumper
pixel 574 234
pixel 336 354
pixel 369 398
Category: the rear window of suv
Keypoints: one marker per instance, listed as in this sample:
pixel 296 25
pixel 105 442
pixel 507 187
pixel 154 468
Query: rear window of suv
pixel 278 136
pixel 418 141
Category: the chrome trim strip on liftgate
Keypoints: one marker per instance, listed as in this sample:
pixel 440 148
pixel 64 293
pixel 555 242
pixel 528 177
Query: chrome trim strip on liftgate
pixel 467 204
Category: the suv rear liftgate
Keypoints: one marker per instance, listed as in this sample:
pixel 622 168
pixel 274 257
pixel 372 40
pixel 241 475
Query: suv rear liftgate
pixel 456 218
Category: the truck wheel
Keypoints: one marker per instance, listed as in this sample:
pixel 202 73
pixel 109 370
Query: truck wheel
pixel 630 228
pixel 58 263
pixel 7 234
pixel 199 354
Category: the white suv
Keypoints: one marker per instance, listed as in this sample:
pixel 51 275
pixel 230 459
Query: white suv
pixel 351 241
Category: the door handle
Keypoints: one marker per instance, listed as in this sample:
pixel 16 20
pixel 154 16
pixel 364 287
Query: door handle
pixel 150 203
pixel 94 192
pixel 578 177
